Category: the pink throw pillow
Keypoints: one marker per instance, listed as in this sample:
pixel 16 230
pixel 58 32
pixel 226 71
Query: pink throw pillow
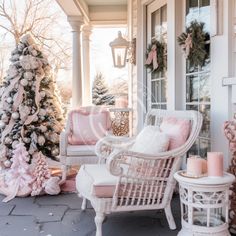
pixel 88 127
pixel 177 129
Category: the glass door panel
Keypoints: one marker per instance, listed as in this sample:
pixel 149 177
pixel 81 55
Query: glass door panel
pixel 157 29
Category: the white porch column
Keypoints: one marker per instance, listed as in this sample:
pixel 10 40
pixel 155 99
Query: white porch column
pixel 87 96
pixel 76 22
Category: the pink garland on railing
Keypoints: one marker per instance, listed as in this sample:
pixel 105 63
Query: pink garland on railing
pixel 230 134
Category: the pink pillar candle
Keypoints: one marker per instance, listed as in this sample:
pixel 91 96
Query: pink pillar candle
pixel 215 163
pixel 194 166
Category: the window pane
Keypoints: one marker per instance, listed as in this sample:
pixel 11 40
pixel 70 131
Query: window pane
pixel 191 11
pixel 156 23
pixel 156 91
pixel 164 22
pixel 190 69
pixel 204 13
pixel 205 110
pixel 164 107
pixel 194 150
pixel 204 89
pixel 163 90
pixel 192 89
pixel 192 107
pixel 204 147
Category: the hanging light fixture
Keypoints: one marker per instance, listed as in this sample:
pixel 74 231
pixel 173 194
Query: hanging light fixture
pixel 119 48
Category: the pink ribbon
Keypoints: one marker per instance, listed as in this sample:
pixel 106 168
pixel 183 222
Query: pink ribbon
pixel 19 97
pixel 188 44
pixel 152 57
pixel 8 129
pixel 37 99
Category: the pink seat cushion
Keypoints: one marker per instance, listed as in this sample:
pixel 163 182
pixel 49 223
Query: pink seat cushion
pixel 87 127
pixel 177 129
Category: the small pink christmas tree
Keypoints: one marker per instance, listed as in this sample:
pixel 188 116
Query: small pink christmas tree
pixel 41 173
pixel 18 178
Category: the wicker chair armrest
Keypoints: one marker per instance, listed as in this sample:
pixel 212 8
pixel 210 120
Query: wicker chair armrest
pixel 126 163
pixel 108 144
pixel 63 143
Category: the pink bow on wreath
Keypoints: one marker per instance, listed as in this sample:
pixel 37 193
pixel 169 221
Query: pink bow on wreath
pixel 152 57
pixel 188 44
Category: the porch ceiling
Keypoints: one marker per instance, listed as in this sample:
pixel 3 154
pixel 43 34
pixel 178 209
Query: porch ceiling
pixel 106 2
pixel 97 12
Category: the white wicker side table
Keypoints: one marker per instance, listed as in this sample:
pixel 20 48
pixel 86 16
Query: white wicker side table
pixel 204 205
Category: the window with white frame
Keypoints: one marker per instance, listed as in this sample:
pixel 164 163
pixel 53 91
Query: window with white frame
pixel 198 95
pixel 157 81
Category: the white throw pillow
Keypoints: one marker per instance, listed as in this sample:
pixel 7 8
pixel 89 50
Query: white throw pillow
pixel 151 141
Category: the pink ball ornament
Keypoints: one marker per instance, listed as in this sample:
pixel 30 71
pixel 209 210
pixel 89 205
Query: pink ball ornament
pixel 7 163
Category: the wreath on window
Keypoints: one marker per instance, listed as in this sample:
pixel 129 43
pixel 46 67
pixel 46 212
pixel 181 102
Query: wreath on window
pixel 155 56
pixel 193 43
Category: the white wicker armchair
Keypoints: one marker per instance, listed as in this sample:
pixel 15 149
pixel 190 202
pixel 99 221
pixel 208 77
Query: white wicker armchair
pixel 132 181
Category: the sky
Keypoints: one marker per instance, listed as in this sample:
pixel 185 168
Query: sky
pixel 100 52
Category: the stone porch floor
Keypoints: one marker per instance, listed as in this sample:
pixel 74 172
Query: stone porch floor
pixel 61 216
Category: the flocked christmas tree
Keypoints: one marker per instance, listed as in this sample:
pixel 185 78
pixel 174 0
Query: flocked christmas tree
pixel 100 91
pixel 29 105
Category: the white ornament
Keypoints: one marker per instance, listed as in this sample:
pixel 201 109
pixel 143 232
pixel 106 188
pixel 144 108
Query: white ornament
pixel 41 140
pixel 42 94
pixel 2 124
pixel 5 117
pixel 26 140
pixel 28 75
pixel 55 152
pixel 14 143
pixel 15 115
pixel 8 140
pixel 24 82
pixel 7 163
pixel 9 100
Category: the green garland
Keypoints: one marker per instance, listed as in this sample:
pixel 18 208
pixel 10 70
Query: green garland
pixel 199 50
pixel 160 56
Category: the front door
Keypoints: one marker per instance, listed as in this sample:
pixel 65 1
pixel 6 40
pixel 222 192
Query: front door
pixel 157 29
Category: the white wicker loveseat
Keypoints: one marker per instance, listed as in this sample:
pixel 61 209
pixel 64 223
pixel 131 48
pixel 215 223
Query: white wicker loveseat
pixel 131 181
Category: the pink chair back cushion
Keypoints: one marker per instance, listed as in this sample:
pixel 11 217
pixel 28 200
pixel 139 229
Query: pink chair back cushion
pixel 87 127
pixel 178 131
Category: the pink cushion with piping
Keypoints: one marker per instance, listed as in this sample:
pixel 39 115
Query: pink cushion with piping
pixel 87 127
pixel 178 131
